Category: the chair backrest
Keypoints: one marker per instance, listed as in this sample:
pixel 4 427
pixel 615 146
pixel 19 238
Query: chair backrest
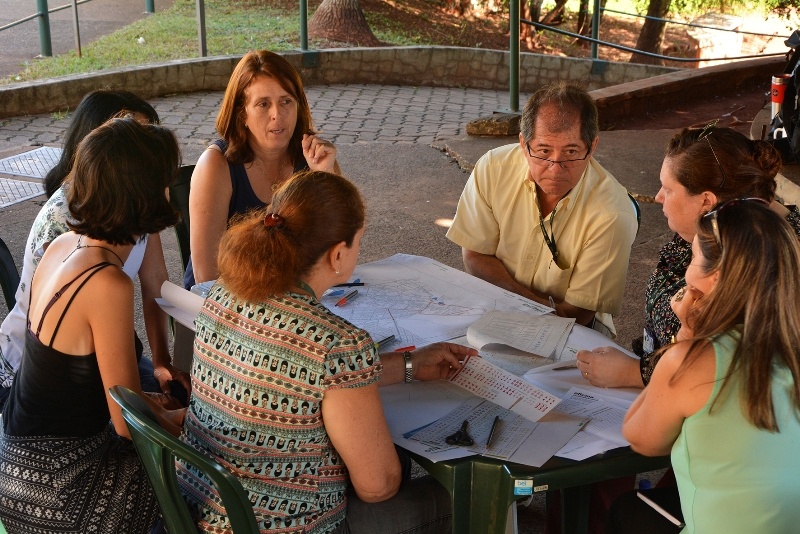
pixel 9 276
pixel 158 449
pixel 638 212
pixel 179 198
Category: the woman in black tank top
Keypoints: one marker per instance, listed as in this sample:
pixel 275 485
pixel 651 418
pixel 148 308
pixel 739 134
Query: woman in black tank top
pixel 78 344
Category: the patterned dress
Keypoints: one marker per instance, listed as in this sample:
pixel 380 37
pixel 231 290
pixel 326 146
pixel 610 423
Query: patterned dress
pixel 259 374
pixel 665 281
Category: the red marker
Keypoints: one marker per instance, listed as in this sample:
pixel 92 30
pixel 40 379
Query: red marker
pixel 406 349
pixel 345 299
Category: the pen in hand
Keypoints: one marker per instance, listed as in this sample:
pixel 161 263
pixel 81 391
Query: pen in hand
pixel 492 431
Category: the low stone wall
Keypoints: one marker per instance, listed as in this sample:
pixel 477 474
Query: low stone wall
pixel 412 65
pixel 640 96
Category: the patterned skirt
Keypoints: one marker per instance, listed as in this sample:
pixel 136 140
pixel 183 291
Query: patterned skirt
pixel 80 485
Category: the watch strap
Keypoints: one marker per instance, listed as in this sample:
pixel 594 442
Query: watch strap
pixel 409 373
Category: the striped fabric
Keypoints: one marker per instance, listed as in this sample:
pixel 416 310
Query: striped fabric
pixel 258 378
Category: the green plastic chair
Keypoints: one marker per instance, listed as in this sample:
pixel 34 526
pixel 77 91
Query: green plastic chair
pixel 9 276
pixel 158 449
pixel 179 198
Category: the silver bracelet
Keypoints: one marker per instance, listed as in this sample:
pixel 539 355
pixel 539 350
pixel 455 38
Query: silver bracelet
pixel 409 373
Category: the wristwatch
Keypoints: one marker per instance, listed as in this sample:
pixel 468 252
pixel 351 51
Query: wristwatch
pixel 409 375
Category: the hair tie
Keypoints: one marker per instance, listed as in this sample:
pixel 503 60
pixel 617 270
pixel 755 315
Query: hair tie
pixel 272 220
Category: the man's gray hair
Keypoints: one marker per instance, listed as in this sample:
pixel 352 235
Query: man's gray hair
pixel 570 100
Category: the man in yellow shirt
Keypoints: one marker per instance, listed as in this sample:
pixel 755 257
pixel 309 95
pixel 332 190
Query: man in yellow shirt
pixel 543 219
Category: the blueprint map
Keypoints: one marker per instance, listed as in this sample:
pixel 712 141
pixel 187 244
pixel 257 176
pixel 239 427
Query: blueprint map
pixel 421 301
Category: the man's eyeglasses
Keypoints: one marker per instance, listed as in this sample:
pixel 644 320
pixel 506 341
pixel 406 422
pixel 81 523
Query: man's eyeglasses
pixel 705 134
pixel 564 163
pixel 733 202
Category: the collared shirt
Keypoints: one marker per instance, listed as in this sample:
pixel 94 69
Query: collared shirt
pixel 594 227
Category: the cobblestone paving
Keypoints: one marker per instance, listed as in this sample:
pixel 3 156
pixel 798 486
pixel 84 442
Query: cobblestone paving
pixel 344 114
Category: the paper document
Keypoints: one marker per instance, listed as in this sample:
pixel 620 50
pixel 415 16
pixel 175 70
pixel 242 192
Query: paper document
pixel 179 303
pixel 604 431
pixel 489 382
pixel 420 301
pixel 542 335
pixel 511 432
pixel 583 338
pixel 516 439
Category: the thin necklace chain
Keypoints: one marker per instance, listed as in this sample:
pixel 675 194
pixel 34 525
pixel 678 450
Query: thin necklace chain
pixel 80 246
pixel 274 184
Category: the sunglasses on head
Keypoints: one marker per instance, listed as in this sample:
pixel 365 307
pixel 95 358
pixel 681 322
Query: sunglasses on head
pixel 733 202
pixel 705 134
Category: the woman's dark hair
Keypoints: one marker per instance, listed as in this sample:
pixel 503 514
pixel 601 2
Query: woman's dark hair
pixel 757 291
pixel 725 162
pixel 231 117
pixel 266 252
pixel 119 180
pixel 95 109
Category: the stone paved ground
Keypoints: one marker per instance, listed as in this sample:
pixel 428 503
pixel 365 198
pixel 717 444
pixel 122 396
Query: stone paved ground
pixel 345 114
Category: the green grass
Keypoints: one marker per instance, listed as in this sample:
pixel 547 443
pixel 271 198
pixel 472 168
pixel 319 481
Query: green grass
pixel 232 27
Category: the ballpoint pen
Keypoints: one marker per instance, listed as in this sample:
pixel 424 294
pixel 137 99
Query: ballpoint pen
pixel 566 366
pixel 346 298
pixel 491 432
pixel 384 341
pixel 406 349
pixel 350 284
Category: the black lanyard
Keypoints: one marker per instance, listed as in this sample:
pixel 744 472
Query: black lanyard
pixel 550 238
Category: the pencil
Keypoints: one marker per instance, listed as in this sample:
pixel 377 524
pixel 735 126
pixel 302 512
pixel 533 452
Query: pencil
pixel 671 518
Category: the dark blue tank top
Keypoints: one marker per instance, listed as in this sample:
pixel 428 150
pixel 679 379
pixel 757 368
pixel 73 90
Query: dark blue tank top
pixel 243 199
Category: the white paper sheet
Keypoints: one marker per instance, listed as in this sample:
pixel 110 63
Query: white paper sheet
pixel 537 334
pixel 604 430
pixel 488 381
pixel 179 303
pixel 421 301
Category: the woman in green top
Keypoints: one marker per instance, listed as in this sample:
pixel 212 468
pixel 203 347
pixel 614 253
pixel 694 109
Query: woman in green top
pixel 725 399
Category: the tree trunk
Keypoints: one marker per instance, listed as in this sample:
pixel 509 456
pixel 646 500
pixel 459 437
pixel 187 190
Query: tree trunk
pixel 529 34
pixel 341 20
pixel 652 33
pixel 556 15
pixel 584 23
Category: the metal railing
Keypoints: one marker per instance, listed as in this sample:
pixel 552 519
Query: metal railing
pixel 43 15
pixel 691 24
pixel 642 52
pixel 514 44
